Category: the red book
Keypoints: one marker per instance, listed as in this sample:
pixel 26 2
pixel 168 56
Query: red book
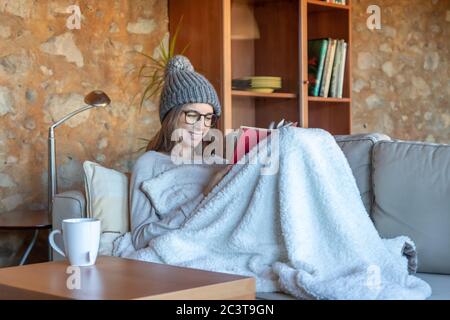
pixel 250 137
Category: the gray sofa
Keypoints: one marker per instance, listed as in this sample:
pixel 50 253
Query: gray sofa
pixel 405 187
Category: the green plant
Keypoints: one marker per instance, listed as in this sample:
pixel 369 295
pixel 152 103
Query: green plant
pixel 153 71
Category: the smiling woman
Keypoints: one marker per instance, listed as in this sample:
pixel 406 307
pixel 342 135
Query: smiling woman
pixel 189 105
pixel 186 97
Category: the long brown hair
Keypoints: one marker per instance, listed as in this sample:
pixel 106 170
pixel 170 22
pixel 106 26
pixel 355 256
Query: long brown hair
pixel 162 141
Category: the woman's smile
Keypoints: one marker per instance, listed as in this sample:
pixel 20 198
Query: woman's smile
pixel 196 134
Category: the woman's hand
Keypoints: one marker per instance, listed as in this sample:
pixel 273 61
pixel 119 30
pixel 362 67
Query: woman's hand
pixel 216 179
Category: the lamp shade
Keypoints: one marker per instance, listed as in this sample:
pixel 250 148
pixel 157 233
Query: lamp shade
pixel 97 98
pixel 243 22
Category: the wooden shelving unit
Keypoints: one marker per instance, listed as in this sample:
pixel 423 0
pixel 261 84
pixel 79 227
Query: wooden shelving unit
pixel 285 26
pixel 326 20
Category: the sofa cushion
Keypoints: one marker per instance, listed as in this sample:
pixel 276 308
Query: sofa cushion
pixel 411 183
pixel 439 283
pixel 357 149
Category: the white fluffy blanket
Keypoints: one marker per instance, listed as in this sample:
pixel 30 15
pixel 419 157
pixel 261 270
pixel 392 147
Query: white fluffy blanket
pixel 303 230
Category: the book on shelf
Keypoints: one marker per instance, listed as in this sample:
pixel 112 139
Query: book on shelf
pixel 344 2
pixel 326 67
pixel 241 84
pixel 249 137
pixel 317 51
pixel 325 85
pixel 342 69
pixel 335 71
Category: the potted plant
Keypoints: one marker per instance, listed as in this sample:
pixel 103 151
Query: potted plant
pixel 153 70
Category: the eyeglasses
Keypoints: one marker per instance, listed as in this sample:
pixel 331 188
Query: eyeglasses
pixel 192 117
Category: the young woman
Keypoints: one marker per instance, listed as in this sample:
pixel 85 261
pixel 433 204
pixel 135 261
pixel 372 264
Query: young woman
pixel 284 245
pixel 189 102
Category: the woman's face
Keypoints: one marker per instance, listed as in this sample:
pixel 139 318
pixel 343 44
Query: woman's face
pixel 196 129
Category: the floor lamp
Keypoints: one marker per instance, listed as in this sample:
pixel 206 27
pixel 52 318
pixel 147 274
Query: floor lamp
pixel 94 99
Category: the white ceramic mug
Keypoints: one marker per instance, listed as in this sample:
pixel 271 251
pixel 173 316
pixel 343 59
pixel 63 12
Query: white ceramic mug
pixel 81 240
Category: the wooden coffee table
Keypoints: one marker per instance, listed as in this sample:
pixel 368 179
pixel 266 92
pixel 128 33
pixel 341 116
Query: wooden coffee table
pixel 117 278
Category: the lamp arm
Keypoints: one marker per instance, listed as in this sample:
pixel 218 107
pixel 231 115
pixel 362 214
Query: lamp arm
pixel 70 115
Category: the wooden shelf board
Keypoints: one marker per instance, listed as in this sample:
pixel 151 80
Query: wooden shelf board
pixel 331 100
pixel 317 5
pixel 279 95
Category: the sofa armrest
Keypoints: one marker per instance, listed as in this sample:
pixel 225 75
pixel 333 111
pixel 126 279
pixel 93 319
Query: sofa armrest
pixel 66 205
pixel 411 184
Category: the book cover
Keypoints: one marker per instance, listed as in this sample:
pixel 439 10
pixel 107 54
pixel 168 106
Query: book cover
pixel 317 51
pixel 251 136
pixel 329 68
pixel 342 69
pixel 248 138
pixel 325 69
pixel 336 69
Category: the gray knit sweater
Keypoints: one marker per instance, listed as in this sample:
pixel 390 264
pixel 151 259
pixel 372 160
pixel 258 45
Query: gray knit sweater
pixel 146 223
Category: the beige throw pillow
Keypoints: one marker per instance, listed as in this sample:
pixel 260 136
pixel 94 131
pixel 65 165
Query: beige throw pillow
pixel 107 197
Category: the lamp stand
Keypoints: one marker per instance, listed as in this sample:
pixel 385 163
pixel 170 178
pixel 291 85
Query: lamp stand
pixel 51 170
pixel 94 99
pixel 52 181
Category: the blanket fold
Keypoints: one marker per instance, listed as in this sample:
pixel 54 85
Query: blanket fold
pixel 167 191
pixel 302 230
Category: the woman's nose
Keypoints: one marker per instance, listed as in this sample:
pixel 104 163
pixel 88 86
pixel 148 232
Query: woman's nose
pixel 200 124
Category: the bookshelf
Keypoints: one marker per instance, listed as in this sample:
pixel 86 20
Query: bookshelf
pixel 231 39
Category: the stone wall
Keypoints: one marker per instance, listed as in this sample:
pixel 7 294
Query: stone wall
pixel 46 69
pixel 401 75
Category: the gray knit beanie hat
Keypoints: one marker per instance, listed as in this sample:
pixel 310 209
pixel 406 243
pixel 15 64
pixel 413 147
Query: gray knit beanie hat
pixel 183 85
